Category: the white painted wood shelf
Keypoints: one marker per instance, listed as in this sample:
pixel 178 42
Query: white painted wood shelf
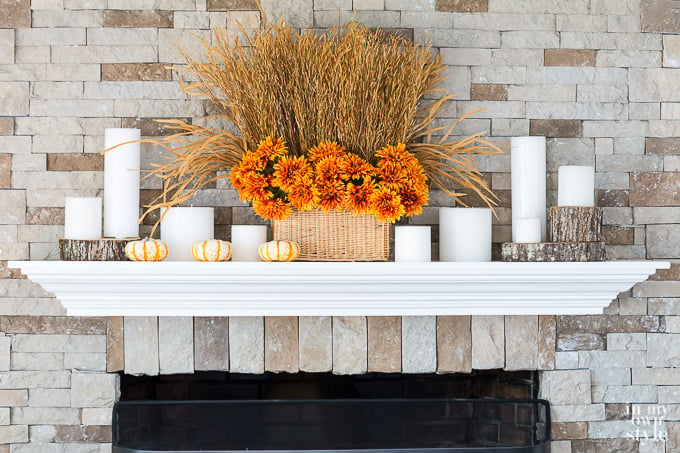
pixel 174 288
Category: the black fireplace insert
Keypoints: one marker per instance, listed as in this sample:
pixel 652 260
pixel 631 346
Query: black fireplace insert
pixel 338 426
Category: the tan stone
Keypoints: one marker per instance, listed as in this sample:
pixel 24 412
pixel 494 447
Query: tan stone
pixel 281 353
pixel 115 344
pixel 64 325
pixel 141 345
pixel 488 92
pixel 6 126
pixel 604 445
pixel 44 216
pixel 246 344
pixel 654 189
pixel 618 235
pixel 673 273
pixel 667 145
pixel 673 436
pixel 384 344
pixel 71 433
pixel 608 324
pixel 14 98
pixel 211 344
pixel 135 71
pixel 580 341
pixel 148 126
pixel 556 128
pixel 13 434
pixel 232 5
pixel 569 57
pixel 462 6
pixel 617 411
pixel 12 398
pixel 660 16
pixel 612 197
pixel 569 430
pixel 419 344
pixel 137 18
pixel 75 162
pixel 15 13
pixel 316 343
pixel 454 344
pixel 5 170
pixel 350 345
pixel 566 386
pixel 488 342
pixel 521 342
pixel 94 389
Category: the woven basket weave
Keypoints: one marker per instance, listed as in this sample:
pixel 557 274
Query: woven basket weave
pixel 335 236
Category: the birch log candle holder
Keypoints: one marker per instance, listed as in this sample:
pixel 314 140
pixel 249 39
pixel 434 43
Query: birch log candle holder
pixel 575 224
pixel 104 249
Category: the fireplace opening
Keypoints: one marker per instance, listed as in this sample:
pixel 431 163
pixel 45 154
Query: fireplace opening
pixel 484 411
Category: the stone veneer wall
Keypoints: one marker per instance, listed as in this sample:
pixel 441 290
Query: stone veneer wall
pixel 598 77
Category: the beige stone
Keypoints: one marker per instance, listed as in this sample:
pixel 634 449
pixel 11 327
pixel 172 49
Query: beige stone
pixel 281 353
pixel 521 342
pixel 419 344
pixel 45 416
pixel 211 343
pixel 14 98
pixel 6 46
pixel 384 344
pixel 350 345
pixel 97 416
pixel 546 342
pixel 15 13
pixel 141 345
pixel 68 433
pixel 315 343
pixel 176 344
pixel 13 434
pixel 94 389
pixel 246 344
pixel 454 344
pixel 462 6
pixel 488 342
pixel 115 344
pixel 12 207
pixel 137 19
pixel 566 386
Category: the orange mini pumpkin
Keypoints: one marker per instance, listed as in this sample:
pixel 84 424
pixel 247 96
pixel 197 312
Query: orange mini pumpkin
pixel 146 250
pixel 279 251
pixel 211 250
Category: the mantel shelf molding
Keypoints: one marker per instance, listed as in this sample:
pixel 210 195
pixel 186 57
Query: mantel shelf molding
pixel 173 288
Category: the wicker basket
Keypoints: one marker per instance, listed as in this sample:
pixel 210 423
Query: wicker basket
pixel 335 236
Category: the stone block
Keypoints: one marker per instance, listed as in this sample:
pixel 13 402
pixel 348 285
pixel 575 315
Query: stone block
pixel 15 13
pixel 232 5
pixel 488 92
pixel 566 387
pixel 654 188
pixel 175 344
pixel 97 416
pixel 115 344
pixel 662 242
pixel 246 344
pixel 624 394
pixel 608 430
pixel 627 341
pixel 6 46
pixel 67 434
pixel 85 362
pixel 610 359
pixel 75 162
pixel 137 19
pixel 660 16
pixel 566 360
pixel 12 398
pixel 315 343
pixel 521 342
pixel 14 434
pixel 135 71
pixel 211 343
pixel 419 344
pixel 66 325
pixel 37 361
pixel 454 344
pixel 40 343
pixel 555 128
pixel 94 390
pixel 384 344
pixel 462 6
pixel 669 394
pixel 45 416
pixel 49 398
pixel 14 97
pixel 573 430
pixel 546 342
pixel 569 57
pixel 667 145
pixel 580 341
pixel 281 353
pixel 610 376
pixel 577 412
pixel 663 350
pixel 350 345
pixel 488 342
pixel 149 127
pixel 141 345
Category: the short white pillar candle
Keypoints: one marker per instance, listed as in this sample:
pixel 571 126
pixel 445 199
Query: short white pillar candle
pixel 527 180
pixel 528 229
pixel 183 226
pixel 246 241
pixel 82 218
pixel 576 185
pixel 464 234
pixel 412 243
pixel 121 183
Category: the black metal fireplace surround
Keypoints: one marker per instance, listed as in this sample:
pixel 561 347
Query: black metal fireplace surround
pixel 350 425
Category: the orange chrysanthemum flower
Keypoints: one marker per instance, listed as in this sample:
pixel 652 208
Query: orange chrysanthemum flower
pixel 255 186
pixel 392 174
pixel 303 195
pixel 271 148
pixel 272 209
pixel 331 196
pixel 354 167
pixel 413 198
pixel 396 154
pixel 358 198
pixel 235 178
pixel 251 161
pixel 325 149
pixel 288 170
pixel 386 205
pixel 329 170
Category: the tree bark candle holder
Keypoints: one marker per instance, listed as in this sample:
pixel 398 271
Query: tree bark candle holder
pixel 575 224
pixel 553 251
pixel 105 249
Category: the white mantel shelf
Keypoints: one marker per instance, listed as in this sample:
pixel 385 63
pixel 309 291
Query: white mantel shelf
pixel 173 288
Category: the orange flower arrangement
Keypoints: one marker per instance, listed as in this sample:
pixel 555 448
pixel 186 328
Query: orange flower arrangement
pixel 330 178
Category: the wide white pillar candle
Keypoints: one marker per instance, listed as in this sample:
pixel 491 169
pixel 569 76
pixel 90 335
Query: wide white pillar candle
pixel 83 218
pixel 182 227
pixel 121 183
pixel 412 243
pixel 528 229
pixel 246 240
pixel 576 185
pixel 464 234
pixel 528 174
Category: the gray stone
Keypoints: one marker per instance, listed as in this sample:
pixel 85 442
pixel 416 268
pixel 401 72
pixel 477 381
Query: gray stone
pixel 663 350
pixel 419 344
pixel 577 412
pixel 521 342
pixel 176 344
pixel 316 343
pixel 350 345
pixel 94 389
pixel 12 207
pixel 626 341
pixel 624 394
pixel 211 343
pixel 488 342
pixel 566 386
pixel 610 359
pixel 610 376
pixel 141 345
pixel 454 344
pixel 246 344
pixel 663 241
pixel 653 85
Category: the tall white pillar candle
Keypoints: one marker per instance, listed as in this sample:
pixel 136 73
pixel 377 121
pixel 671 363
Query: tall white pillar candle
pixel 246 240
pixel 121 183
pixel 576 185
pixel 412 243
pixel 82 218
pixel 528 229
pixel 464 234
pixel 182 227
pixel 528 174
